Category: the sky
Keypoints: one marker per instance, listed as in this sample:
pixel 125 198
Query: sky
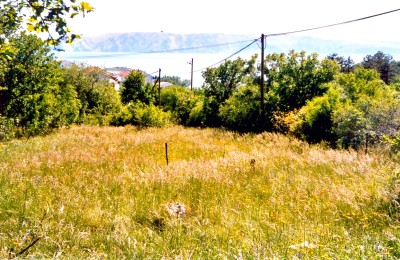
pixel 250 17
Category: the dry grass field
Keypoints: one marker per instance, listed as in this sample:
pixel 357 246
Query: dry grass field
pixel 108 193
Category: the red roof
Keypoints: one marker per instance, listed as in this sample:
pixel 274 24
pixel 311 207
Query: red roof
pixel 123 74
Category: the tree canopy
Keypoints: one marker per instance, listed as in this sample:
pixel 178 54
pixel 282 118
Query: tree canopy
pixel 41 16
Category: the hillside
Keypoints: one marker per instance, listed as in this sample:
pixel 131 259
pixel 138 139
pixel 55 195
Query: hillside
pixel 153 42
pixel 104 192
pixel 156 42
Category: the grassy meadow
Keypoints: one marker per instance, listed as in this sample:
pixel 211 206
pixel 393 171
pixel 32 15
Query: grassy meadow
pixel 108 193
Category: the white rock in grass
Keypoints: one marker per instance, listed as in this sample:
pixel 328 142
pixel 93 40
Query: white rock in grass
pixel 176 209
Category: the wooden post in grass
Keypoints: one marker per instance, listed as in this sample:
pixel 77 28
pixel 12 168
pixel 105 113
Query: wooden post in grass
pixel 166 152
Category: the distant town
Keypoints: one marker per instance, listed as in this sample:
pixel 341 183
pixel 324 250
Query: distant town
pixel 117 75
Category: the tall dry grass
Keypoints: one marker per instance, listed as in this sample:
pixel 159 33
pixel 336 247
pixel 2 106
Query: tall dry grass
pixel 103 192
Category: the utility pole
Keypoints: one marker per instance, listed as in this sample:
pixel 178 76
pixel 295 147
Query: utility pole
pixel 191 77
pixel 159 87
pixel 262 78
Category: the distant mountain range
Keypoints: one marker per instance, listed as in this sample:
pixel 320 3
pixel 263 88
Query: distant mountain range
pixel 212 43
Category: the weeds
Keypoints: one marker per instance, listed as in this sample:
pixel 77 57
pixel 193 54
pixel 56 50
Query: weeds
pixel 109 193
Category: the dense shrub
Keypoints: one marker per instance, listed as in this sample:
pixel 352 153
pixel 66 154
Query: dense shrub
pixel 142 115
pixel 357 108
pixel 241 111
pixel 6 129
pixel 32 95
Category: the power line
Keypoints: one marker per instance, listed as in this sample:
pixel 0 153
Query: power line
pixel 304 30
pixel 242 49
pixel 331 25
pixel 161 51
pixel 196 47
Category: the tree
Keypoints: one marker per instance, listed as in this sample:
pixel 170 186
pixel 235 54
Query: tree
pixel 384 64
pixel 179 101
pixel 41 16
pixel 96 95
pixel 346 64
pixel 221 82
pixel 295 78
pixel 30 90
pixel 357 106
pixel 135 88
pixel 241 111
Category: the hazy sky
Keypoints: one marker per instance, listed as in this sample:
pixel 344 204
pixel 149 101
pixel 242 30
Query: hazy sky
pixel 243 17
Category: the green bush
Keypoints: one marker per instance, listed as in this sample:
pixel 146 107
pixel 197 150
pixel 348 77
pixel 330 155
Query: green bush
pixel 149 115
pixel 313 122
pixel 179 101
pixel 196 115
pixel 142 115
pixel 7 130
pixel 241 111
pixel 124 117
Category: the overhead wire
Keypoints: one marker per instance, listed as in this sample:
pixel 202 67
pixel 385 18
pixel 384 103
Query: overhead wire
pixel 196 47
pixel 230 56
pixel 253 41
pixel 332 25
pixel 162 51
pixel 303 30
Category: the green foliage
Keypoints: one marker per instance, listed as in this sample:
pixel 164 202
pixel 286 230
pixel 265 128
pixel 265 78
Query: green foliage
pixel 48 17
pixel 149 115
pixel 142 115
pixel 135 88
pixel 313 122
pixel 123 117
pixel 358 106
pixel 295 78
pixel 393 142
pixel 241 111
pixel 374 108
pixel 384 64
pixel 6 128
pixel 221 82
pixel 346 64
pixel 350 126
pixel 30 93
pixel 197 116
pixel 97 97
pixel 180 101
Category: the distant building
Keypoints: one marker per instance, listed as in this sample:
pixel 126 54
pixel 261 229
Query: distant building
pixel 120 76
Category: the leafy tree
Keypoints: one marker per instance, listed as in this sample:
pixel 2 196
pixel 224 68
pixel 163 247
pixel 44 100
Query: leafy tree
pixel 241 111
pixel 384 64
pixel 357 106
pixel 221 82
pixel 295 78
pixel 30 93
pixel 96 95
pixel 180 102
pixel 41 16
pixel 346 64
pixel 314 121
pixel 135 88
